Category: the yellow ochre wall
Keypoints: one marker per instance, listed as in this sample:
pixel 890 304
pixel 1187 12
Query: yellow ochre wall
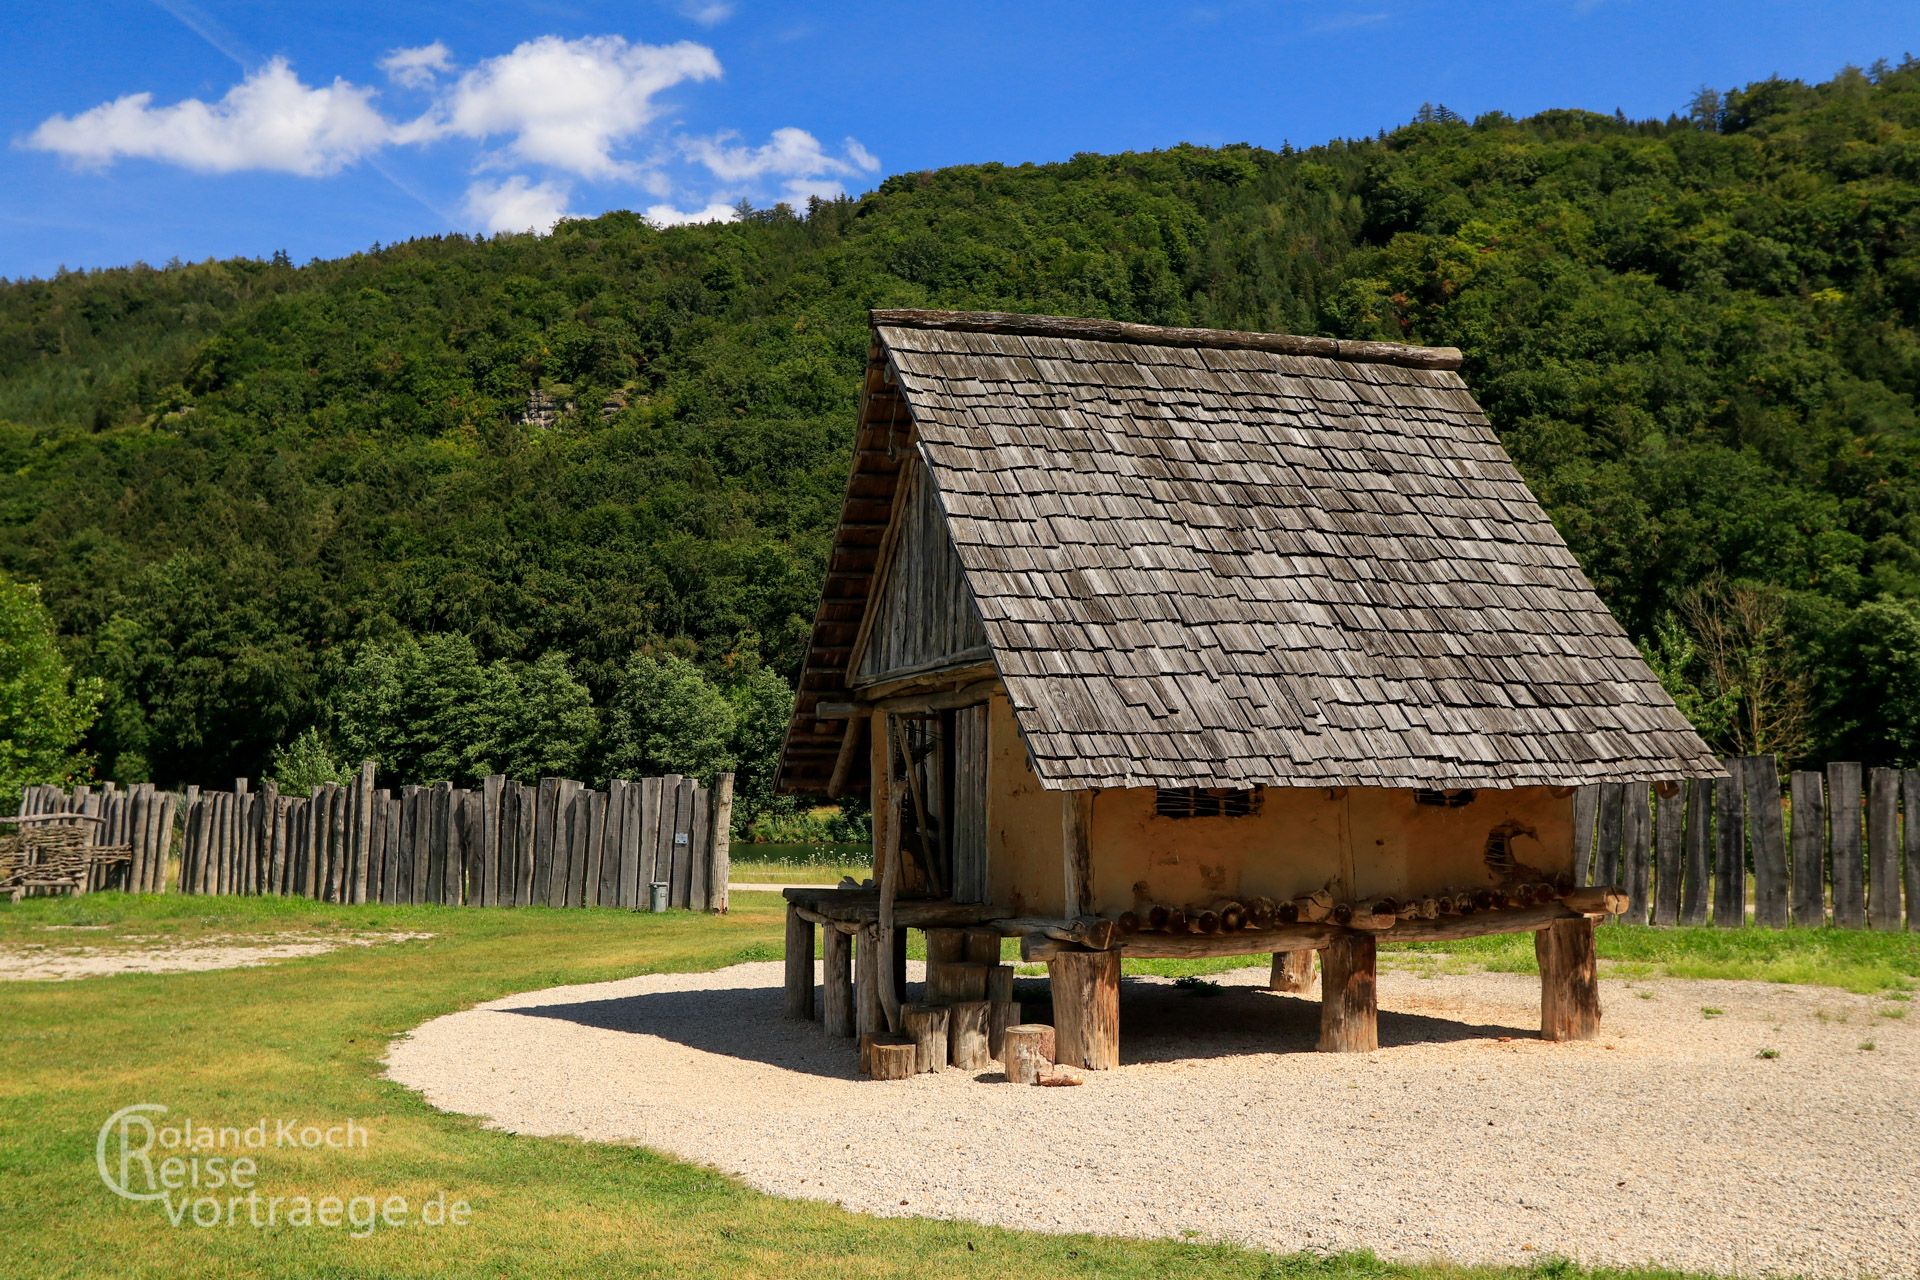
pixel 1363 842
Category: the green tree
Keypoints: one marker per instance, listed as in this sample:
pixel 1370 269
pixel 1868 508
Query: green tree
pixel 426 709
pixel 667 717
pixel 44 710
pixel 1881 647
pixel 304 763
pixel 762 704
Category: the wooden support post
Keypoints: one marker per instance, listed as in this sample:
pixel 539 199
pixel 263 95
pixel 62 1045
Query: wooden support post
pixel 870 1018
pixel 1086 1007
pixel 1349 1016
pixel 1569 981
pixel 1076 827
pixel 926 1026
pixel 889 873
pixel 799 965
pixel 1292 971
pixel 968 1045
pixel 1028 1052
pixel 836 981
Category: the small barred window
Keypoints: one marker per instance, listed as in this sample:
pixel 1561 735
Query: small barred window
pixel 1205 802
pixel 1444 799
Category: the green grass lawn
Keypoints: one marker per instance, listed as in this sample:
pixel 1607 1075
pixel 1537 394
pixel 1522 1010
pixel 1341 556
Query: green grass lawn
pixel 303 1040
pixel 1851 959
pixel 760 872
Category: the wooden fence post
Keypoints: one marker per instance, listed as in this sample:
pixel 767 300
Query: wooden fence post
pixel 163 845
pixel 1636 837
pixel 1769 841
pixel 1843 810
pixel 699 851
pixel 1586 801
pixel 492 792
pixel 1883 849
pixel 720 856
pixel 1809 849
pixel 1606 854
pixel 1730 848
pixel 1669 825
pixel 681 841
pixel 1910 844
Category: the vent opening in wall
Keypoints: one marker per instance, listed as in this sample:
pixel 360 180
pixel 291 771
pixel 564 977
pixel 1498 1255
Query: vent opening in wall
pixel 1205 802
pixel 1444 799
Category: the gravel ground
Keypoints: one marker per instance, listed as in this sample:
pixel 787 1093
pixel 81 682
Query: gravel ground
pixel 1668 1141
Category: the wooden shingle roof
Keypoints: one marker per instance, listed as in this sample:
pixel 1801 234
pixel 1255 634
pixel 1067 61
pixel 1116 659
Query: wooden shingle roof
pixel 1226 559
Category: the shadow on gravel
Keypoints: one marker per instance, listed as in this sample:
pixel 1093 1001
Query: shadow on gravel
pixel 1158 1023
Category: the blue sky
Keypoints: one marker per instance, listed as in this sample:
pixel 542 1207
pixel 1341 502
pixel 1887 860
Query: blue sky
pixel 155 129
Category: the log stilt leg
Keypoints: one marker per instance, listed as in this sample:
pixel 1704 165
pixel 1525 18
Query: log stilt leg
pixel 870 1016
pixel 900 962
pixel 799 965
pixel 1569 981
pixel 1086 1007
pixel 836 980
pixel 1349 1016
pixel 1292 971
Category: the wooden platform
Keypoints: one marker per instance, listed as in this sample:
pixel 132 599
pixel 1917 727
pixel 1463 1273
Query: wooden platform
pixel 1083 958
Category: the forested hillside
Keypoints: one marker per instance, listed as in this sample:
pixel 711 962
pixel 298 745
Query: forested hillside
pixel 252 493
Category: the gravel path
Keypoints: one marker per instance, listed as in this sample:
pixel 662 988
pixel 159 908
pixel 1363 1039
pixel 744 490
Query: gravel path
pixel 1669 1141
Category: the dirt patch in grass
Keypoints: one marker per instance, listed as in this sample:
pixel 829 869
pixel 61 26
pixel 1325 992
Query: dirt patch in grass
pixel 62 955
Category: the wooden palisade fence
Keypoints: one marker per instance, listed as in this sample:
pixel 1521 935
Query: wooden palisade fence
pixel 552 843
pixel 1684 852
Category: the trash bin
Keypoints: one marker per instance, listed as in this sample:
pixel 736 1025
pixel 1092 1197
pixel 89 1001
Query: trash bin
pixel 657 896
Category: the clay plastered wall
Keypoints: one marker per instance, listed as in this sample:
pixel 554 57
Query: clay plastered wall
pixel 1024 871
pixel 1365 842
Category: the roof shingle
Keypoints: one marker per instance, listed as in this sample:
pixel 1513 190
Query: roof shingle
pixel 1223 559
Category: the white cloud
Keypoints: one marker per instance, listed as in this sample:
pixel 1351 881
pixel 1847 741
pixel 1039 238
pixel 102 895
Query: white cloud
pixel 418 67
pixel 568 104
pixel 790 153
pixel 517 204
pixel 545 115
pixel 708 13
pixel 270 120
pixel 665 215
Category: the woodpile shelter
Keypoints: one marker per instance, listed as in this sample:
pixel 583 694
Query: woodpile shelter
pixel 1174 642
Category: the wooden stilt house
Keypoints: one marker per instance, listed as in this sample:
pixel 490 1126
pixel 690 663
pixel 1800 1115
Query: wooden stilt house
pixel 1175 642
